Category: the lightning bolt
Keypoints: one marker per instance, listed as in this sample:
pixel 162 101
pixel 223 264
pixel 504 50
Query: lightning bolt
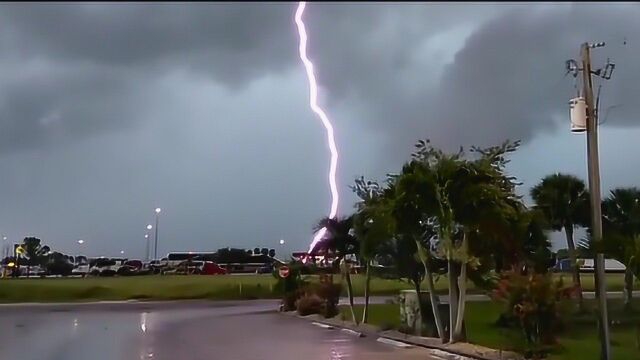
pixel 313 103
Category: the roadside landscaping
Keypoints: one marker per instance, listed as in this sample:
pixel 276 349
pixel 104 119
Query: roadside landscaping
pixel 227 287
pixel 578 340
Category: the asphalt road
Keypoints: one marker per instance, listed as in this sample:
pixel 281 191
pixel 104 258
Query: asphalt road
pixel 176 331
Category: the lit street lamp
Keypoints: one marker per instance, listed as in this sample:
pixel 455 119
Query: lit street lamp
pixel 281 241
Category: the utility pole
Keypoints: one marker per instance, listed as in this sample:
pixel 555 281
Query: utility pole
pixel 594 189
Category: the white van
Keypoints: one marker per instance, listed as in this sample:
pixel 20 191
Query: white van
pixel 610 266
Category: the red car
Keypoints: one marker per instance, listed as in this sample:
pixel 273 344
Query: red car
pixel 211 268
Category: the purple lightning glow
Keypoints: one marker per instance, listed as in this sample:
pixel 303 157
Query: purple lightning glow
pixel 313 103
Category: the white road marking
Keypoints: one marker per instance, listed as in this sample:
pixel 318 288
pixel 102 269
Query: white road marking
pixel 324 326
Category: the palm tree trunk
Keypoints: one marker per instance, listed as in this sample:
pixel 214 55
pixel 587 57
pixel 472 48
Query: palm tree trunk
pixel 628 288
pixel 453 297
pixel 418 331
pixel 367 281
pixel 347 277
pixel 575 269
pixel 462 285
pixel 435 301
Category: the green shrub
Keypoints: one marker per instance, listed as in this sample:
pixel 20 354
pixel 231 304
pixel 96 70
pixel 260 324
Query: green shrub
pixel 330 294
pixel 534 304
pixel 310 304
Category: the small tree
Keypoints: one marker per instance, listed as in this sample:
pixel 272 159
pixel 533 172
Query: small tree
pixel 256 251
pixel 339 239
pixel 272 252
pixel 34 252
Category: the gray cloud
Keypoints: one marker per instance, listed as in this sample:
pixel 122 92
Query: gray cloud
pixel 77 70
pixel 108 110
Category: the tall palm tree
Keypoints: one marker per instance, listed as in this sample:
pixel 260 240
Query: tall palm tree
pixel 340 240
pixel 621 214
pixel 564 201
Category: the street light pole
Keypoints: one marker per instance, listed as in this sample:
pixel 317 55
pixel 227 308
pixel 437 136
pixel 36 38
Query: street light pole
pixel 149 227
pixel 594 189
pixel 155 247
pixel 146 237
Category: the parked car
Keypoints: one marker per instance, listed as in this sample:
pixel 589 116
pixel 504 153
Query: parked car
pixel 130 267
pixel 157 266
pixel 81 266
pixel 211 268
pixel 265 270
pixel 106 267
pixel 189 267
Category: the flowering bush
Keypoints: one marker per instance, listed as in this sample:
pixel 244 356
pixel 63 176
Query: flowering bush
pixel 534 303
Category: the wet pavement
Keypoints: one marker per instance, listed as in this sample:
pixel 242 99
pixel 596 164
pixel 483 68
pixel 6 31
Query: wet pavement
pixel 177 331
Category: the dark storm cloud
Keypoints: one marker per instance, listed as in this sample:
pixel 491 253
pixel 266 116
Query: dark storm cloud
pixel 226 37
pixel 81 69
pixel 41 106
pixel 506 80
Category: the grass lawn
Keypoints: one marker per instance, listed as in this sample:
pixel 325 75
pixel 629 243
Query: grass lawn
pixel 138 287
pixel 578 341
pixel 615 282
pixel 176 287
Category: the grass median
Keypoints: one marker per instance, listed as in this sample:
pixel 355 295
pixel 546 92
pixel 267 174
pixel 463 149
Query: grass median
pixel 177 287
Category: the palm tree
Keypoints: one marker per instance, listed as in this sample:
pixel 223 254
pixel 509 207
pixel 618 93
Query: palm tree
pixel 621 214
pixel 564 201
pixel 34 252
pixel 339 239
pixel 372 228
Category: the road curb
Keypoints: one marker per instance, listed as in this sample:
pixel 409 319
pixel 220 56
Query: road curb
pixel 352 332
pixel 395 343
pixel 457 351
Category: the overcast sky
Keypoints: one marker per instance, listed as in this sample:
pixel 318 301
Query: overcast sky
pixel 110 110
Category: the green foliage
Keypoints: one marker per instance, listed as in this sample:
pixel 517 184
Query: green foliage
pixel 338 237
pixel 290 287
pixel 58 264
pixel 319 298
pixel 533 303
pixel 35 252
pixel 621 225
pixel 309 304
pixel 563 199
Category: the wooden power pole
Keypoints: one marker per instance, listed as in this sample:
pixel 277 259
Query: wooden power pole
pixel 594 189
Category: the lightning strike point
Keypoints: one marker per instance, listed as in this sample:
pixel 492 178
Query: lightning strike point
pixel 313 103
